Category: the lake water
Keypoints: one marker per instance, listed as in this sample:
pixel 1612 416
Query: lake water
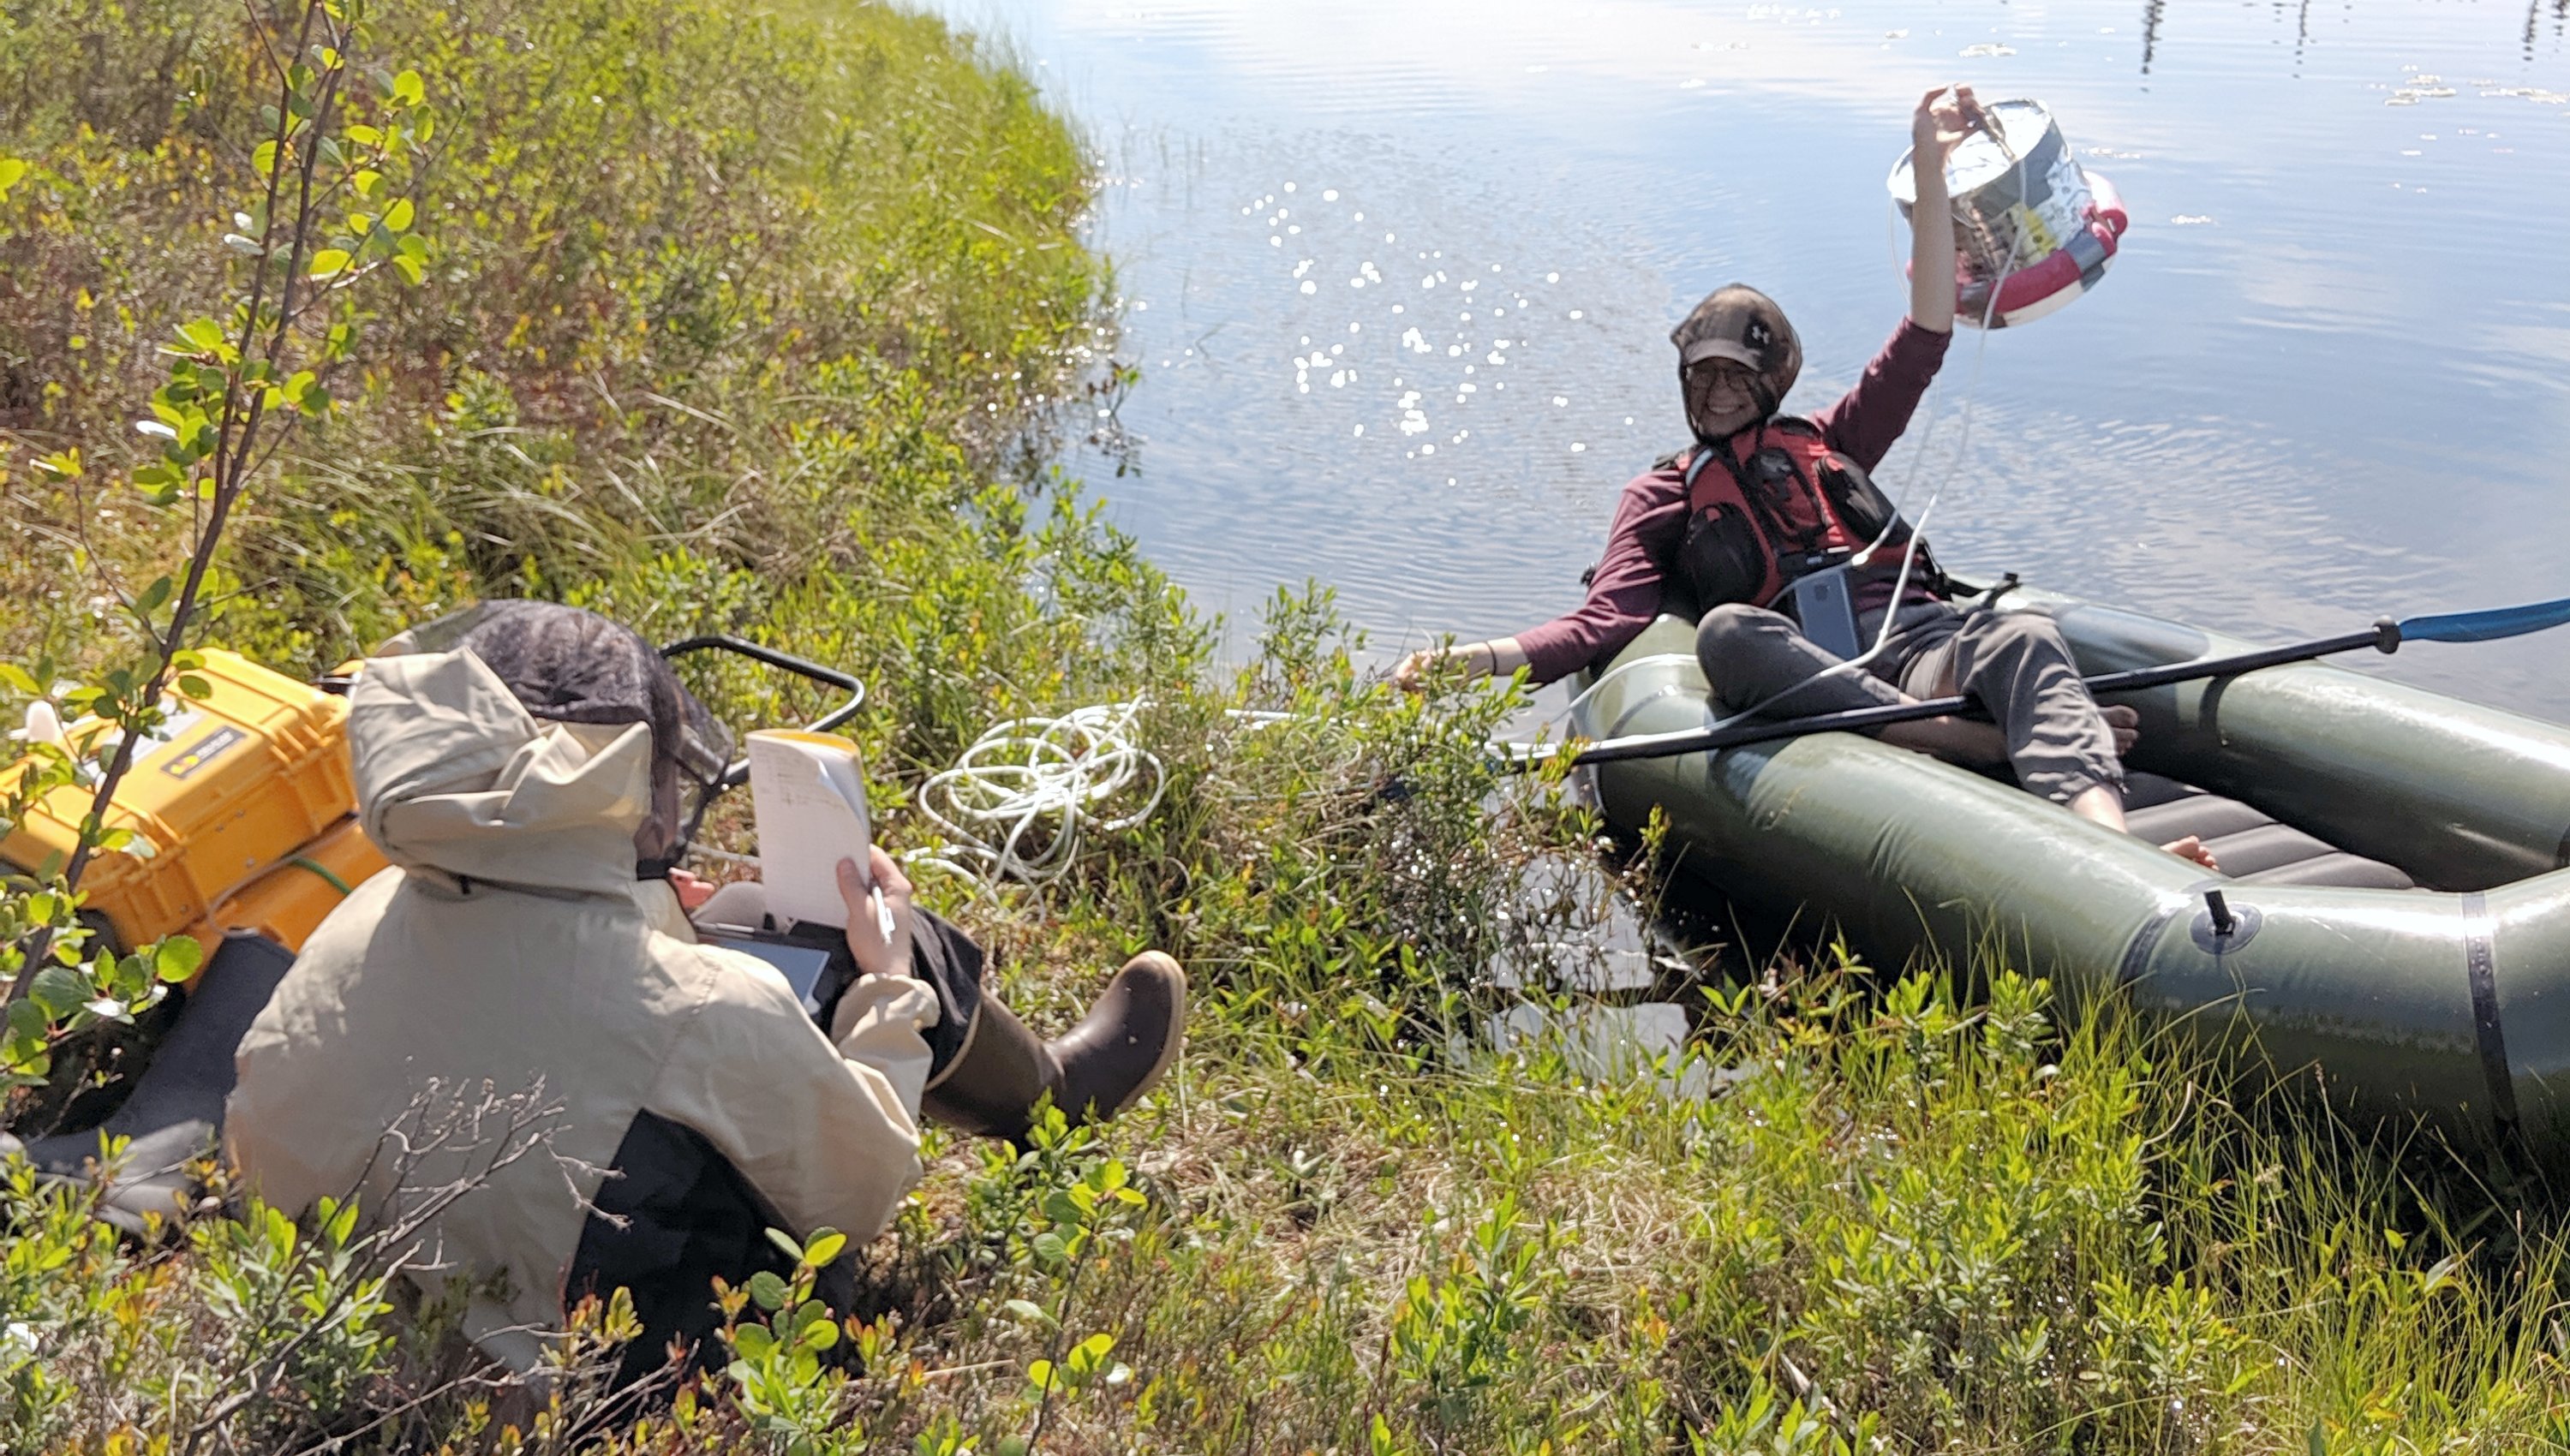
pixel 1400 273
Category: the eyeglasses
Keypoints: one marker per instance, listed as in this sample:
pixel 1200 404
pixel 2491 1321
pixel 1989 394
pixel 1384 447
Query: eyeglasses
pixel 1713 374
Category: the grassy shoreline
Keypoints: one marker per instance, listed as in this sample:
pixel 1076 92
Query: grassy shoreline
pixel 764 322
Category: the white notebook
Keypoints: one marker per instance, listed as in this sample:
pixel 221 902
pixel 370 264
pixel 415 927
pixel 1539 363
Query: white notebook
pixel 809 798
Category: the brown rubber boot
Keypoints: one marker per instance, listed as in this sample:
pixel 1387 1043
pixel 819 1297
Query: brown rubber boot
pixel 1094 1072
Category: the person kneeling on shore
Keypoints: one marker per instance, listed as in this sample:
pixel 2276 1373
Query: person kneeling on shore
pixel 526 783
pixel 1761 500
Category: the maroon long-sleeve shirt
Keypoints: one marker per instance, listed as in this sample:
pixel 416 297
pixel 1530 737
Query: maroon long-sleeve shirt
pixel 1651 517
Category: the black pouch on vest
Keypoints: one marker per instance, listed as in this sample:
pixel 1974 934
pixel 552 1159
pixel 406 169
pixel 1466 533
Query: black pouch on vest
pixel 1861 505
pixel 1721 557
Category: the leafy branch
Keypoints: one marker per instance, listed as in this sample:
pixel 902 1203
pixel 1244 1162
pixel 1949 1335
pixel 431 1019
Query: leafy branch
pixel 240 384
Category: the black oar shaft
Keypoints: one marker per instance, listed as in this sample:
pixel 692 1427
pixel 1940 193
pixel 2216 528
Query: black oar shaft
pixel 2134 679
pixel 1855 719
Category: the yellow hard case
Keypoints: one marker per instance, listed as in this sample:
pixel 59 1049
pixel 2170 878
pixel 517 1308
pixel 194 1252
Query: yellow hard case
pixel 240 809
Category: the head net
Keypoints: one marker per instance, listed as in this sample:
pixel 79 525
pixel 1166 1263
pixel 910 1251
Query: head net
pixel 572 666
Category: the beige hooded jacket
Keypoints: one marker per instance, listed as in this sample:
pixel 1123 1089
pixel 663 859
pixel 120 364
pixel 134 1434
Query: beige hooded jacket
pixel 510 949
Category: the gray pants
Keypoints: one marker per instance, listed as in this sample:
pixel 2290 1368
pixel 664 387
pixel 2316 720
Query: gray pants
pixel 2014 663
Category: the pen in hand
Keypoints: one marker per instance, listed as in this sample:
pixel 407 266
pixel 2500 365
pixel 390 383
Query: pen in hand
pixel 873 887
pixel 883 913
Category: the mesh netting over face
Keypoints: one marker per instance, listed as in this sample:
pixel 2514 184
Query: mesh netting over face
pixel 572 666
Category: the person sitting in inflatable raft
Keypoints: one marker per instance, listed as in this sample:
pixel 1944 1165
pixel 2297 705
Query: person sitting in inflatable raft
pixel 1764 502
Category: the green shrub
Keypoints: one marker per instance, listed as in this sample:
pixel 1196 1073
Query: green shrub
pixel 717 294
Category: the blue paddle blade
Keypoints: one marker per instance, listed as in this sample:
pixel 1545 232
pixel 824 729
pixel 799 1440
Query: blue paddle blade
pixel 2487 626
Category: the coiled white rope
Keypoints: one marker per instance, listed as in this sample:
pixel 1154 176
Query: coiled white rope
pixel 1019 799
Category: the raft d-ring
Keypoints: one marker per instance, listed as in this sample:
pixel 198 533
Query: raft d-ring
pixel 2222 927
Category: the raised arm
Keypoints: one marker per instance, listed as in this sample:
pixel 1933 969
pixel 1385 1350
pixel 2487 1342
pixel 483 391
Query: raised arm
pixel 1946 116
pixel 1866 422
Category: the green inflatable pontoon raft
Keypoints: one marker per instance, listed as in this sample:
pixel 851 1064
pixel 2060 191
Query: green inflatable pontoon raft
pixel 2394 907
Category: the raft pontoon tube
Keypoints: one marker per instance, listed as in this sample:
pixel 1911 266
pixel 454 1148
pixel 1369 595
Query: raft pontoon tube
pixel 2396 911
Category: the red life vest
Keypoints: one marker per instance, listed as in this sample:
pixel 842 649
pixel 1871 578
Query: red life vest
pixel 1771 503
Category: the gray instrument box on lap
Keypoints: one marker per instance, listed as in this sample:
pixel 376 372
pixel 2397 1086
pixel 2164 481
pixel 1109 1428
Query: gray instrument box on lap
pixel 1823 603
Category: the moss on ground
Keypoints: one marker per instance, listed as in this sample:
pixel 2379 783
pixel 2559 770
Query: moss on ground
pixel 764 322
